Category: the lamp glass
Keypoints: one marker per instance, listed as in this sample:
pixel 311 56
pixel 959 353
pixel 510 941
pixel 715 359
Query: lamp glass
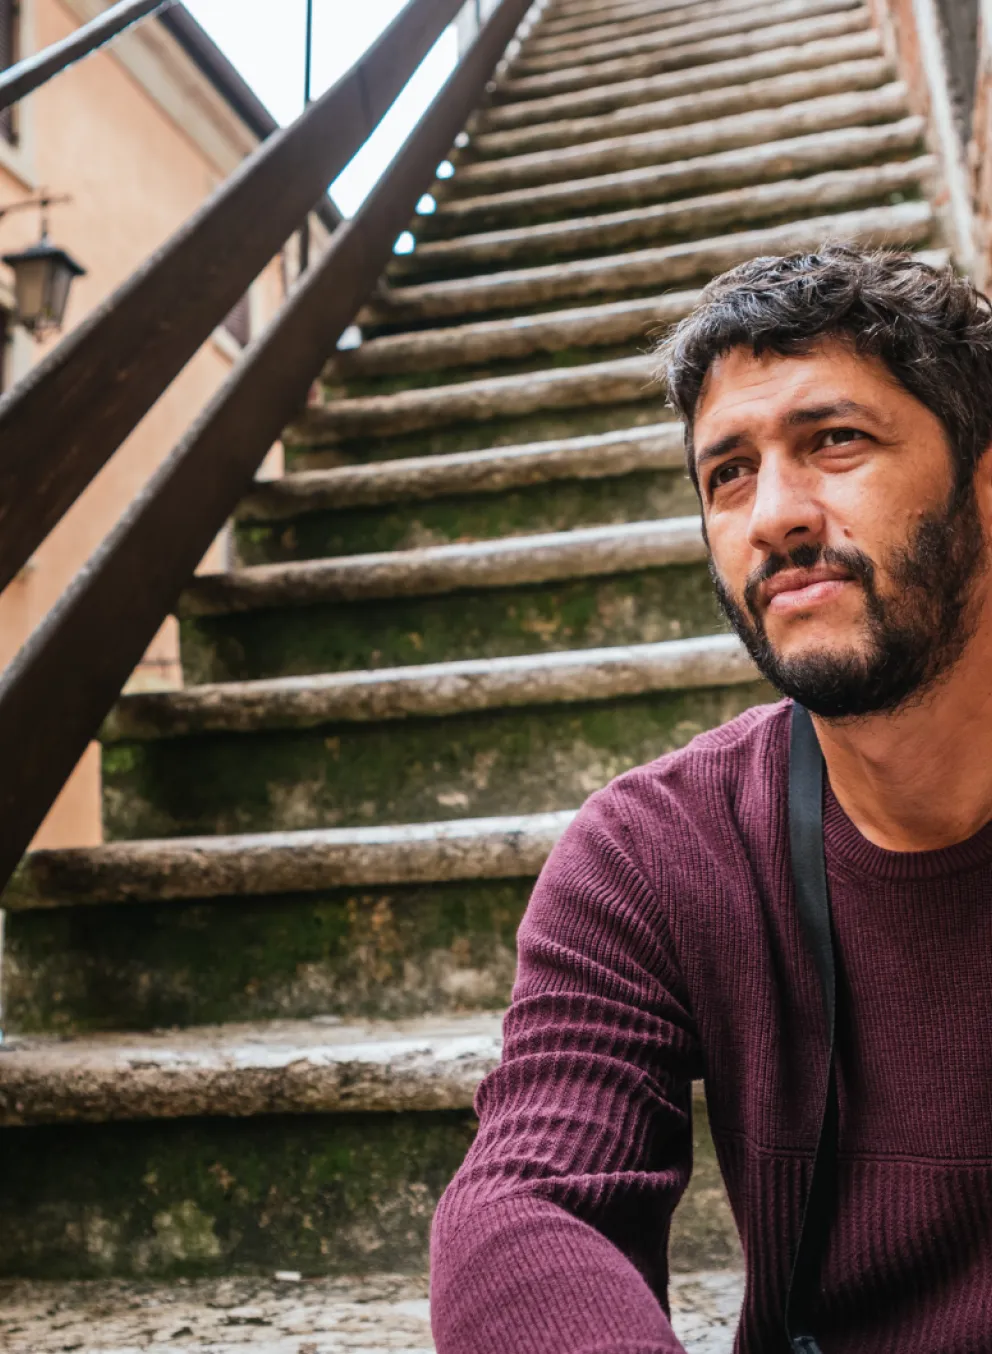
pixel 31 284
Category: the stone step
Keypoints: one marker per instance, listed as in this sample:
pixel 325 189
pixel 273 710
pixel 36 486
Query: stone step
pixel 684 218
pixel 550 34
pixel 448 568
pixel 521 336
pixel 377 1312
pixel 489 398
pixel 549 600
pixel 510 847
pixel 643 270
pixel 558 19
pixel 844 77
pixel 755 128
pixel 492 471
pixel 794 157
pixel 525 759
pixel 290 1067
pixel 431 689
pixel 594 480
pixel 314 1147
pixel 536 57
pixel 715 75
pixel 770 39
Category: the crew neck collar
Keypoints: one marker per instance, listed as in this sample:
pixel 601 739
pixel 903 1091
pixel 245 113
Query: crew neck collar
pixel 845 846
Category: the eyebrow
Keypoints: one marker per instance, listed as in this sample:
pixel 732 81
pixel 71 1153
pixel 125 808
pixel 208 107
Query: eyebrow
pixel 796 418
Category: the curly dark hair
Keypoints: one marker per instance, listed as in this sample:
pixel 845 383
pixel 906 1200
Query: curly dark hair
pixel 931 328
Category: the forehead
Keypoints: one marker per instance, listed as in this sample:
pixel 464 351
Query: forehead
pixel 744 394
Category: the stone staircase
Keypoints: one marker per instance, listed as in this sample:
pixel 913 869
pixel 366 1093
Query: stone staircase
pixel 246 1033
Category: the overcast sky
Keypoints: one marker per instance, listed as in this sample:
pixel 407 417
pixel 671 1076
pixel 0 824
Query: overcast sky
pixel 270 57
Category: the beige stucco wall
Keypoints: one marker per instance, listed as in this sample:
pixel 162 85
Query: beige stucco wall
pixel 99 133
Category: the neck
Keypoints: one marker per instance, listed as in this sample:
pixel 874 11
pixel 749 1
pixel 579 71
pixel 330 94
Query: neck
pixel 920 778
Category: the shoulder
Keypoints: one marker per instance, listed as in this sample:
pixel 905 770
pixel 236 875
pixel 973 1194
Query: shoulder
pixel 702 796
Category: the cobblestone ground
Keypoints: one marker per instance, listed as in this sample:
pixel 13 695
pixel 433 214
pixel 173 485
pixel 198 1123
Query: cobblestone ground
pixel 323 1316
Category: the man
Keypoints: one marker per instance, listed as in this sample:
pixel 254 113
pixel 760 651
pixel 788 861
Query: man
pixel 838 417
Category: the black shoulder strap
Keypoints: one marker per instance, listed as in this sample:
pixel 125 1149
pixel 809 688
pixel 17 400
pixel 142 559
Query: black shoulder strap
pixel 809 874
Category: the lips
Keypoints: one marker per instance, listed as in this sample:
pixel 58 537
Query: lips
pixel 797 589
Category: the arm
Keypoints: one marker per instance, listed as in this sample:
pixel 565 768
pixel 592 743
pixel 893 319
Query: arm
pixel 552 1238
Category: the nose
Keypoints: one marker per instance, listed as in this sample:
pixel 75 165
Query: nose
pixel 784 511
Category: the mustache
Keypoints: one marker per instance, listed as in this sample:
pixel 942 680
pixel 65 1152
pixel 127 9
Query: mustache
pixel 854 561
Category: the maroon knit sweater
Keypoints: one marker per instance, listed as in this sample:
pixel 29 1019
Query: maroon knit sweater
pixel 661 945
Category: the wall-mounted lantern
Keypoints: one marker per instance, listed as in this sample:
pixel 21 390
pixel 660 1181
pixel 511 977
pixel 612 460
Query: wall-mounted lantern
pixel 43 276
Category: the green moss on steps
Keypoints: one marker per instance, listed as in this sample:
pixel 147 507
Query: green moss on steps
pixel 675 602
pixel 539 427
pixel 380 951
pixel 558 506
pixel 323 1194
pixel 529 760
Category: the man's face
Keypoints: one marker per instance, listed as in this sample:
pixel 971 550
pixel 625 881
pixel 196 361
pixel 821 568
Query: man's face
pixel 842 551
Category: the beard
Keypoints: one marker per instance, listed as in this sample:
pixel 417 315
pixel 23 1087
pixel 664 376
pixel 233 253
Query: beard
pixel 912 637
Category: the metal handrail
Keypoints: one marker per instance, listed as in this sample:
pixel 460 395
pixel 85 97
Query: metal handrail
pixel 79 658
pixel 34 71
pixel 76 407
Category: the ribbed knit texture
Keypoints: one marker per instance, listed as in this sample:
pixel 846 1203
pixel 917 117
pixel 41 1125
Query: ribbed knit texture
pixel 661 945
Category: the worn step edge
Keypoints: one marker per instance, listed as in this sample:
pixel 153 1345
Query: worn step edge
pixel 697 53
pixel 555 14
pixel 535 58
pixel 286 862
pixel 622 380
pixel 794 87
pixel 490 471
pixel 790 158
pixel 827 113
pixel 600 99
pixel 640 270
pixel 434 570
pixel 711 213
pixel 279 1067
pixel 554 20
pixel 467 345
pixel 550 36
pixel 432 690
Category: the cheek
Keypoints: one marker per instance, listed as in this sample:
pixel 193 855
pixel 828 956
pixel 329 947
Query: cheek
pixel 731 556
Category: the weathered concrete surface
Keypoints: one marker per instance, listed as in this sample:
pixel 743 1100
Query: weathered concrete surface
pixel 366 952
pixel 908 224
pixel 490 471
pixel 371 1315
pixel 551 34
pixel 593 383
pixel 769 39
pixel 313 1316
pixel 754 128
pixel 807 56
pixel 321 1194
pixel 449 568
pixel 285 862
pixel 645 607
pixel 467 345
pixel 432 689
pixel 706 173
pixel 538 56
pixel 289 1067
pixel 843 78
pixel 525 759
pixel 707 214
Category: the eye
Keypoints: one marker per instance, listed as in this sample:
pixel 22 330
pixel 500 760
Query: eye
pixel 839 437
pixel 725 474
